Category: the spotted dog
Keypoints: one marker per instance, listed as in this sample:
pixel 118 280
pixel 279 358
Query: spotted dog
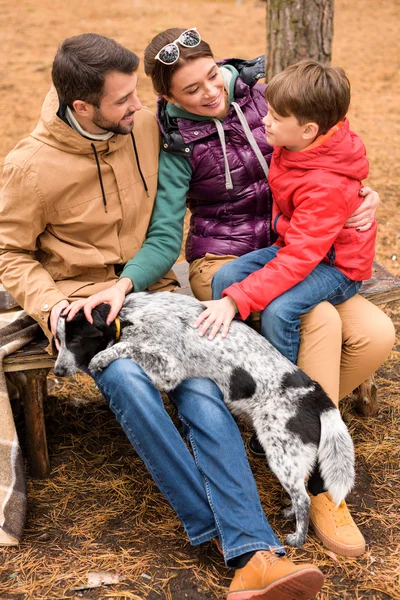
pixel 296 422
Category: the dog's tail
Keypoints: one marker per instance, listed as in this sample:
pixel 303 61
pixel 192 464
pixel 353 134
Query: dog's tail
pixel 336 455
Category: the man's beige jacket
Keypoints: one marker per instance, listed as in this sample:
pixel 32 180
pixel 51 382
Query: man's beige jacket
pixel 57 239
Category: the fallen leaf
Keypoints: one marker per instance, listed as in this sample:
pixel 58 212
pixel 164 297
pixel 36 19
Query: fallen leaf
pixel 103 578
pixel 332 555
pixel 99 578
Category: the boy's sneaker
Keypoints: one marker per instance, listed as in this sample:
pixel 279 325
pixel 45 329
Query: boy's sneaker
pixel 335 526
pixel 268 576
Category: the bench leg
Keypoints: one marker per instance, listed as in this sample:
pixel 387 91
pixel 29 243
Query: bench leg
pixel 32 385
pixel 366 398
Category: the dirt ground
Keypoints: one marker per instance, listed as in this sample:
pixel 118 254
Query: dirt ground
pixel 99 510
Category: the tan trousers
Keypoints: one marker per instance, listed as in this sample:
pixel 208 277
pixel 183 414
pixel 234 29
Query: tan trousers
pixel 340 346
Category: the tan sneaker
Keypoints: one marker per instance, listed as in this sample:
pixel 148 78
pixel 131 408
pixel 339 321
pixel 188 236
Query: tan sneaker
pixel 335 526
pixel 268 576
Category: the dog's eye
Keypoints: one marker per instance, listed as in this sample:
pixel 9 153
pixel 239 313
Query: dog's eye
pixel 74 342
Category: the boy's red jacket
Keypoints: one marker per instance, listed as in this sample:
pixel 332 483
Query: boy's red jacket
pixel 314 192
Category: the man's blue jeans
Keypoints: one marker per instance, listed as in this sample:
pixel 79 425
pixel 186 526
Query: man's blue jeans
pixel 212 490
pixel 280 321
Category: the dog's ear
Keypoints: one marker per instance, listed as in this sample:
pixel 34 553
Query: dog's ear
pixel 100 314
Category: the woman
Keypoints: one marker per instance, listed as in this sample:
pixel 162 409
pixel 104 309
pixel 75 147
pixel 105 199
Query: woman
pixel 213 154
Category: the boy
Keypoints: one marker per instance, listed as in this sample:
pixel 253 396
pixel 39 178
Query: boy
pixel 315 177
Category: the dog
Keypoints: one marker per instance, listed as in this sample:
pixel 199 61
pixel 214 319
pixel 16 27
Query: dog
pixel 294 419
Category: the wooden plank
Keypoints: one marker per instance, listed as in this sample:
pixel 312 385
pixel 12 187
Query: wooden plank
pixel 32 385
pixel 181 270
pixel 381 288
pixel 23 364
pixel 31 356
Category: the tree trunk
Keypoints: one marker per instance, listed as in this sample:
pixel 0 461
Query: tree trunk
pixel 297 29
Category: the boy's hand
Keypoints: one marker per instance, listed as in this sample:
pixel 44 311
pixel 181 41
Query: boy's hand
pixel 114 296
pixel 219 314
pixel 363 217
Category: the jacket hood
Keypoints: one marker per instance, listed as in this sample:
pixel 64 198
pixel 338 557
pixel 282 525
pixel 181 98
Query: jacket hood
pixel 250 71
pixel 343 153
pixel 53 131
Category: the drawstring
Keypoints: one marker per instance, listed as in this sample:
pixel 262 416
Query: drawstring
pixel 100 177
pixel 228 178
pixel 138 164
pixel 250 138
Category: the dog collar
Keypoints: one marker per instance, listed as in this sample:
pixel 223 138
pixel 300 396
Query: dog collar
pixel 118 327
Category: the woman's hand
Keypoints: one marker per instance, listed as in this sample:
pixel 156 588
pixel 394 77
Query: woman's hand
pixel 363 217
pixel 114 296
pixel 218 314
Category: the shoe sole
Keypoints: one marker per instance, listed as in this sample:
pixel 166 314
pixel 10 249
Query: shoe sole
pixel 348 551
pixel 301 585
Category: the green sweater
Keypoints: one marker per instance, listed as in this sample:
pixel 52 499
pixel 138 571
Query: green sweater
pixel 164 237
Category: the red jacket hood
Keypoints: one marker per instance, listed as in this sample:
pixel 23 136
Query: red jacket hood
pixel 343 153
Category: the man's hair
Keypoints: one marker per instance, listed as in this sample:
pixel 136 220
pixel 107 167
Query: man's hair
pixel 161 75
pixel 311 92
pixel 82 63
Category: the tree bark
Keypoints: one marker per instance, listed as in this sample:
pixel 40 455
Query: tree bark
pixel 297 29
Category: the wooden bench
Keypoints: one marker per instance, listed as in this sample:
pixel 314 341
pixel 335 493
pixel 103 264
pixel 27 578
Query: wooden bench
pixel 28 368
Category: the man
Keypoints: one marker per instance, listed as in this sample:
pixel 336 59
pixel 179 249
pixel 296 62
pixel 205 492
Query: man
pixel 78 203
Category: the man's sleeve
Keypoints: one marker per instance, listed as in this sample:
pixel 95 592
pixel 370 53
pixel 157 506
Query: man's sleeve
pixel 22 220
pixel 164 237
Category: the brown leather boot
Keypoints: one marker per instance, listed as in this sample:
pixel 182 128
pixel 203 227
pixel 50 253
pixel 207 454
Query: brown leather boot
pixel 268 576
pixel 335 526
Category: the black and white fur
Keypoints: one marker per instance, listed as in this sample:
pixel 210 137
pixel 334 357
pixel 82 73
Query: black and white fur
pixel 295 421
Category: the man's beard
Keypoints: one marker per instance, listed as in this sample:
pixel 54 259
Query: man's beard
pixel 100 121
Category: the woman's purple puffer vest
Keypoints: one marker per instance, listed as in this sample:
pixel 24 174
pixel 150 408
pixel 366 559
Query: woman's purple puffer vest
pixel 223 221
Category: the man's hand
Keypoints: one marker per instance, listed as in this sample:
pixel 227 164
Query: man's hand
pixel 363 217
pixel 219 315
pixel 55 313
pixel 115 296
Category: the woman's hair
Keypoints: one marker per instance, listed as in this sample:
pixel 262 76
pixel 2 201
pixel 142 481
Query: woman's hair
pixel 310 91
pixel 82 63
pixel 161 75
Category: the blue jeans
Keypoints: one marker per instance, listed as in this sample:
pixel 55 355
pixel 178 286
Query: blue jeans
pixel 280 321
pixel 212 489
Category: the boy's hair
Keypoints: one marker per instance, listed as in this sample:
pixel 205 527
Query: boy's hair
pixel 161 75
pixel 82 63
pixel 311 92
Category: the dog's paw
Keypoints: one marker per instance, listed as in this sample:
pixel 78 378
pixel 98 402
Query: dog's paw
pixel 288 513
pixel 295 540
pixel 99 362
pixel 94 367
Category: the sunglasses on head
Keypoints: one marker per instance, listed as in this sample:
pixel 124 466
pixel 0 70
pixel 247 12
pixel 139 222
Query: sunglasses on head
pixel 170 53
